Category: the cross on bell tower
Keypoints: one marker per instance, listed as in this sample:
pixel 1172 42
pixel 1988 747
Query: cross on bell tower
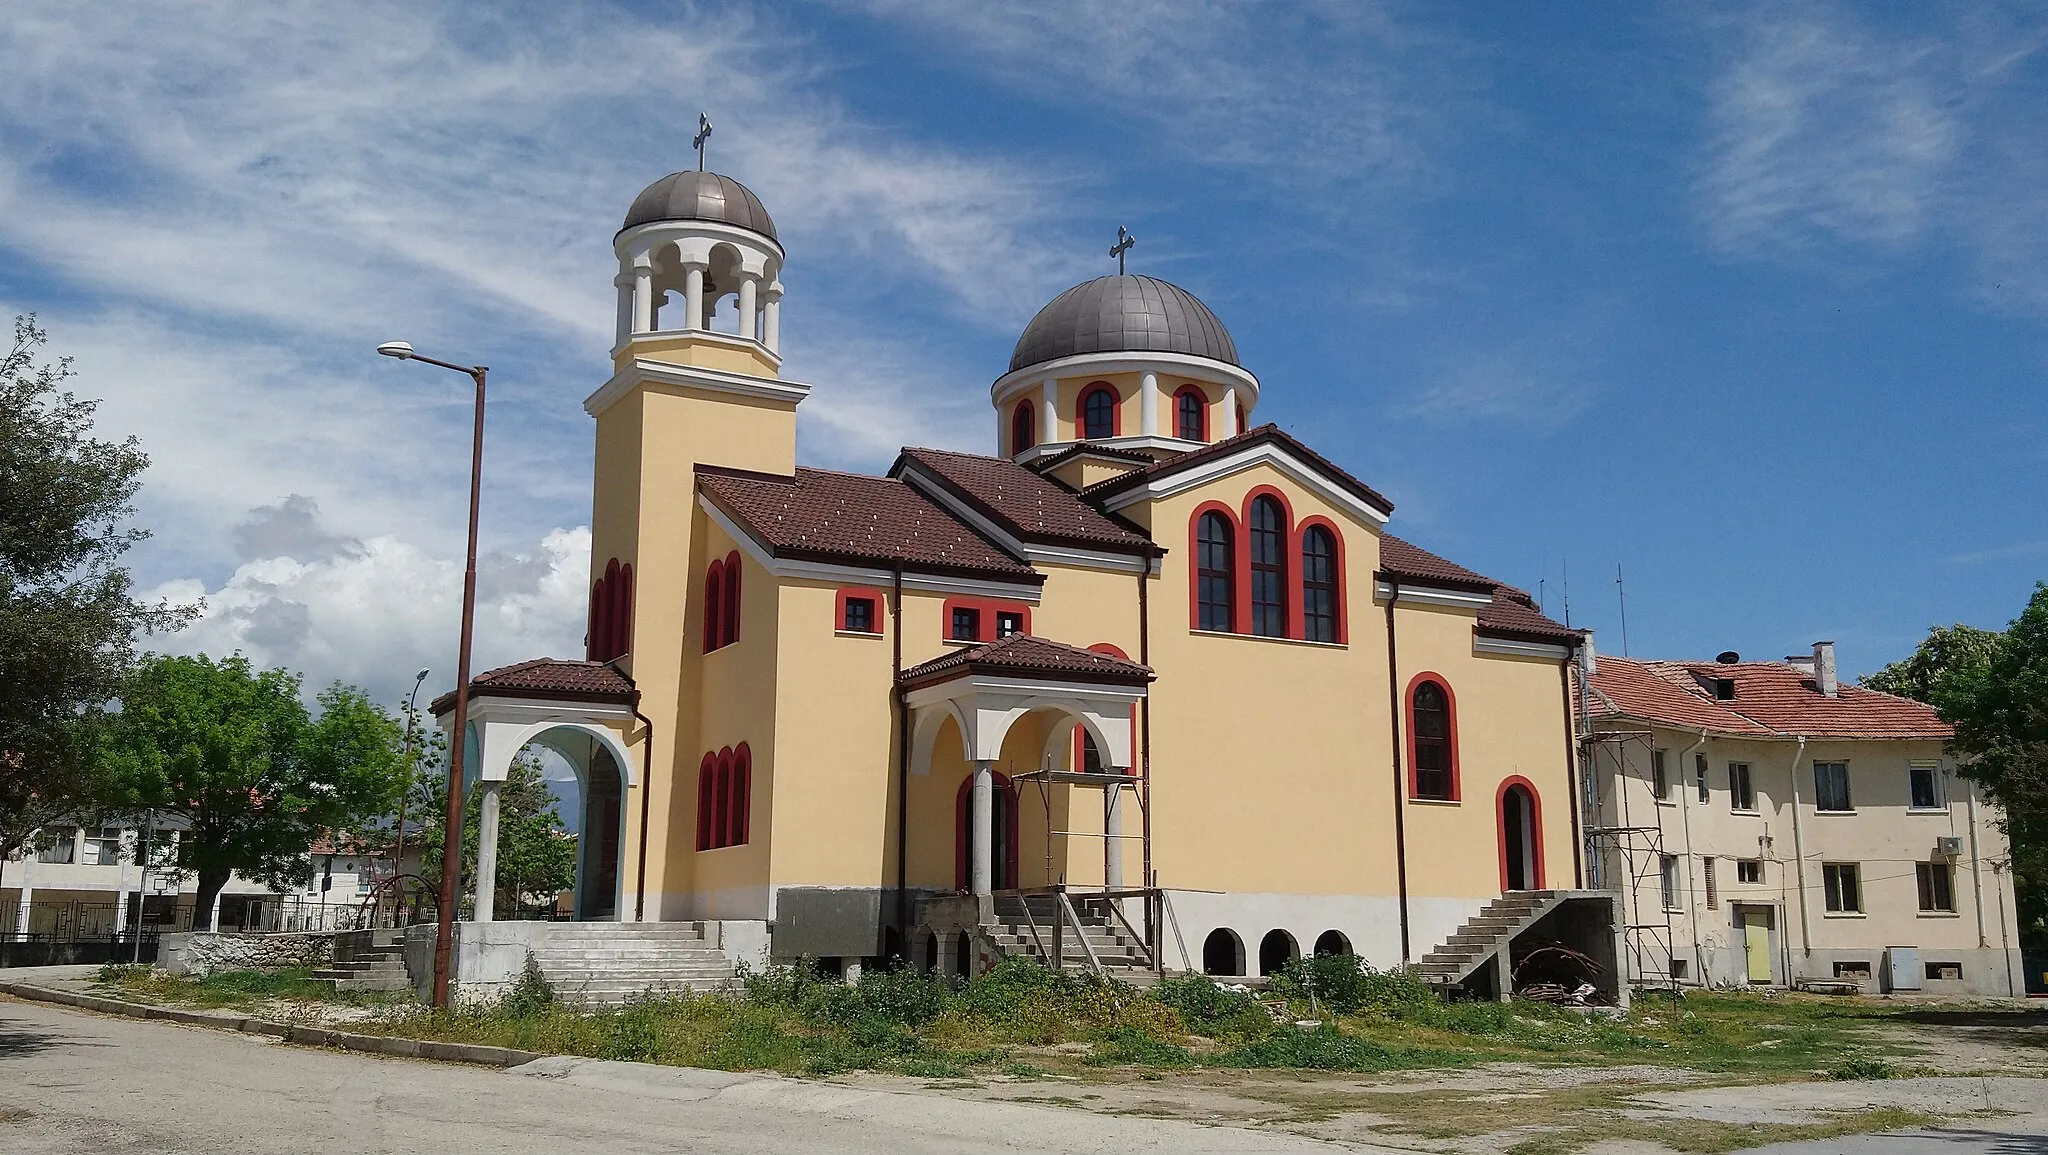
pixel 703 135
pixel 1124 241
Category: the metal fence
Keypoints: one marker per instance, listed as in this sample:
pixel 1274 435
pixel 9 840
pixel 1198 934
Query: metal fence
pixel 80 921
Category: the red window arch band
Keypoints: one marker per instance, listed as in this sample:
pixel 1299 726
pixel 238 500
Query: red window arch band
pixel 1099 398
pixel 722 602
pixel 1023 427
pixel 1500 810
pixel 609 633
pixel 1191 414
pixel 1303 580
pixel 1423 781
pixel 725 788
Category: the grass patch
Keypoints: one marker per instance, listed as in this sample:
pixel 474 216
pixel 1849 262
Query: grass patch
pixel 240 989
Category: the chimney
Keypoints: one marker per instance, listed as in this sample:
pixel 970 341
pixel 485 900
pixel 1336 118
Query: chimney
pixel 1824 668
pixel 1589 661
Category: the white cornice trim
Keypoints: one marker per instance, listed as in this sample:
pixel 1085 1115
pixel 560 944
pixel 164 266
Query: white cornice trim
pixel 625 244
pixel 800 569
pixel 641 371
pixel 949 689
pixel 1431 595
pixel 1485 645
pixel 919 479
pixel 1086 364
pixel 1155 441
pixel 708 336
pixel 1250 456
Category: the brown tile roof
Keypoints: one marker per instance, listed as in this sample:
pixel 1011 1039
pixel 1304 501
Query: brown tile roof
pixel 822 515
pixel 1052 461
pixel 1402 559
pixel 1264 434
pixel 1034 507
pixel 1514 612
pixel 1771 699
pixel 1511 613
pixel 554 679
pixel 1026 655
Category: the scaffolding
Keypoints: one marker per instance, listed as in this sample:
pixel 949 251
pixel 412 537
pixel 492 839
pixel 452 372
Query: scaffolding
pixel 1632 850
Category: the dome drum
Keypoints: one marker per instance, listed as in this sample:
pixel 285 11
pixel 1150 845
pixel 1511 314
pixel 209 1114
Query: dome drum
pixel 703 238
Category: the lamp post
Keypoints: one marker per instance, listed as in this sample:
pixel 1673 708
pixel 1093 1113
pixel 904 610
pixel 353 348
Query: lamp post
pixel 398 854
pixel 451 838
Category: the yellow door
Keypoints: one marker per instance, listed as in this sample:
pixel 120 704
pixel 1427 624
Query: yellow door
pixel 1756 935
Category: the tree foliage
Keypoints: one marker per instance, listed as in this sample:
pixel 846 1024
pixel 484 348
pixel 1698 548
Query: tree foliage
pixel 256 775
pixel 68 620
pixel 1946 652
pixel 536 852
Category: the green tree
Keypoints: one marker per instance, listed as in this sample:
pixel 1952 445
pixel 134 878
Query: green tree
pixel 235 752
pixel 536 852
pixel 68 620
pixel 1944 653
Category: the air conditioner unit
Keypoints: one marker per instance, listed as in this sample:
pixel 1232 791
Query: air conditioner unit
pixel 1949 847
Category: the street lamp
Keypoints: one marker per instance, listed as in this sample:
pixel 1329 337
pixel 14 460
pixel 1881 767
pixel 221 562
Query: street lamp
pixel 411 772
pixel 451 837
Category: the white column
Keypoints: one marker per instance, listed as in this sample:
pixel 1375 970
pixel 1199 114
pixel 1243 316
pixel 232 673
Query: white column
pixel 28 890
pixel 749 293
pixel 981 868
pixel 487 850
pixel 1148 400
pixel 1113 842
pixel 213 916
pixel 624 283
pixel 643 299
pixel 693 297
pixel 1049 413
pixel 121 893
pixel 1229 422
pixel 771 318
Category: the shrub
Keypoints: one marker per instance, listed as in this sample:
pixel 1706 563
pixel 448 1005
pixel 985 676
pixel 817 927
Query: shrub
pixel 531 994
pixel 1207 1009
pixel 1131 1045
pixel 1861 1068
pixel 1348 985
pixel 1324 1048
pixel 907 997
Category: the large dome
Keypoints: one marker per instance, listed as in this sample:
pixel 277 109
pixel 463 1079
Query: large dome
pixel 1125 313
pixel 700 196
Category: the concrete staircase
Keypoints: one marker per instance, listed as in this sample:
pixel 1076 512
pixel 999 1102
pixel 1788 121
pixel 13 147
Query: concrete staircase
pixel 1120 955
pixel 1486 936
pixel 367 960
pixel 599 963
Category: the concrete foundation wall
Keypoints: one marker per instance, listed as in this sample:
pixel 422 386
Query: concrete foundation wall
pixel 199 952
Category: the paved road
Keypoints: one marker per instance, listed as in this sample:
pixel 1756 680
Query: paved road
pixel 102 1084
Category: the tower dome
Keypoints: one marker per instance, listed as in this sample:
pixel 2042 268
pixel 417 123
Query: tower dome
pixel 1123 313
pixel 700 196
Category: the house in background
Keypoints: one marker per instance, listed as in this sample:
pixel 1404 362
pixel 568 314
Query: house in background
pixel 1770 826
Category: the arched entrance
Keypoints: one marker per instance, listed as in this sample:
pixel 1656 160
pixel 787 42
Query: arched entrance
pixel 1521 836
pixel 1333 942
pixel 1276 950
pixel 1003 825
pixel 1223 953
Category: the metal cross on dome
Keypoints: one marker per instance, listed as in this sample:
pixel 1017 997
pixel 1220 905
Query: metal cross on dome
pixel 1124 241
pixel 703 134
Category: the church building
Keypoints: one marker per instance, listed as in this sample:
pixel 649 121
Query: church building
pixel 1147 685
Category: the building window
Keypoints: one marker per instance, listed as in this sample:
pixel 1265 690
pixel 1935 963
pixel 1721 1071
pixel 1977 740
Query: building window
pixel 1432 742
pixel 609 631
pixel 1749 870
pixel 1091 754
pixel 1667 881
pixel 1831 786
pixel 966 624
pixel 1098 412
pixel 1660 775
pixel 1318 585
pixel 1852 969
pixel 1699 766
pixel 59 845
pixel 1009 623
pixel 1215 574
pixel 1023 427
pixel 1269 569
pixel 731 631
pixel 1678 968
pixel 725 782
pixel 1945 971
pixel 1937 886
pixel 1844 887
pixel 1191 414
pixel 714 605
pixel 103 847
pixel 859 617
pixel 1741 795
pixel 1707 881
pixel 1925 782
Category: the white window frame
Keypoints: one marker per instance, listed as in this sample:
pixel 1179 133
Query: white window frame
pixel 1747 793
pixel 1940 804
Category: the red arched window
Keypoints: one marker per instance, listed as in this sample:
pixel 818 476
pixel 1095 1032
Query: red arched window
pixel 721 798
pixel 714 606
pixel 1023 427
pixel 1098 412
pixel 1432 740
pixel 610 631
pixel 1215 573
pixel 707 771
pixel 740 796
pixel 1319 608
pixel 1268 531
pixel 731 632
pixel 1191 414
pixel 1240 417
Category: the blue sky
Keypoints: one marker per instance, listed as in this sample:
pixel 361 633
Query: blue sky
pixel 1753 305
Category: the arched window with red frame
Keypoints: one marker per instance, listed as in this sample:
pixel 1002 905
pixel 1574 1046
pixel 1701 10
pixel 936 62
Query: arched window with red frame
pixel 610 630
pixel 740 796
pixel 1215 573
pixel 1098 412
pixel 714 606
pixel 1268 530
pixel 1320 608
pixel 707 773
pixel 1432 739
pixel 721 799
pixel 1023 427
pixel 1191 414
pixel 731 632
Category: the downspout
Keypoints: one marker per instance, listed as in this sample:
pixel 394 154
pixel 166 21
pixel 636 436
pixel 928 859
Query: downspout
pixel 1685 803
pixel 1977 873
pixel 646 795
pixel 1400 785
pixel 1799 858
pixel 1155 906
pixel 902 761
pixel 1571 769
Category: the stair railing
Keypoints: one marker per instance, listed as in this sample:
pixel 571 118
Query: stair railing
pixel 1116 908
pixel 1166 907
pixel 1067 908
pixel 1032 923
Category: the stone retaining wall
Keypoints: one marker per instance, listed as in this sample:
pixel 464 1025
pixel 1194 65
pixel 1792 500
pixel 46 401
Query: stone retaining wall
pixel 200 953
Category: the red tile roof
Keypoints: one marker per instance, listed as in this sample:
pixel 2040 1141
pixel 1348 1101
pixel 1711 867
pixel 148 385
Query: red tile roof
pixel 1512 613
pixel 852 518
pixel 555 679
pixel 1771 699
pixel 1264 434
pixel 1051 461
pixel 1034 507
pixel 1026 655
pixel 1403 559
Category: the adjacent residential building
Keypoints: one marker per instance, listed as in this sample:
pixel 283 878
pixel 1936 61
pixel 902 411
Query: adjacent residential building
pixel 1768 825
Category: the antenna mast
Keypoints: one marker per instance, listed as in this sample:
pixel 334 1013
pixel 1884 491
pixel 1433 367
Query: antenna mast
pixel 1621 593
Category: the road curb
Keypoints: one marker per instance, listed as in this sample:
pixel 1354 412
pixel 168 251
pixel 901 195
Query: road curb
pixel 471 1053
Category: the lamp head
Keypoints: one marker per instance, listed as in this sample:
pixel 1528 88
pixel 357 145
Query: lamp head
pixel 422 676
pixel 399 349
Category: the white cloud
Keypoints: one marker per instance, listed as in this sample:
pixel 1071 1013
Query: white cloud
pixel 1508 388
